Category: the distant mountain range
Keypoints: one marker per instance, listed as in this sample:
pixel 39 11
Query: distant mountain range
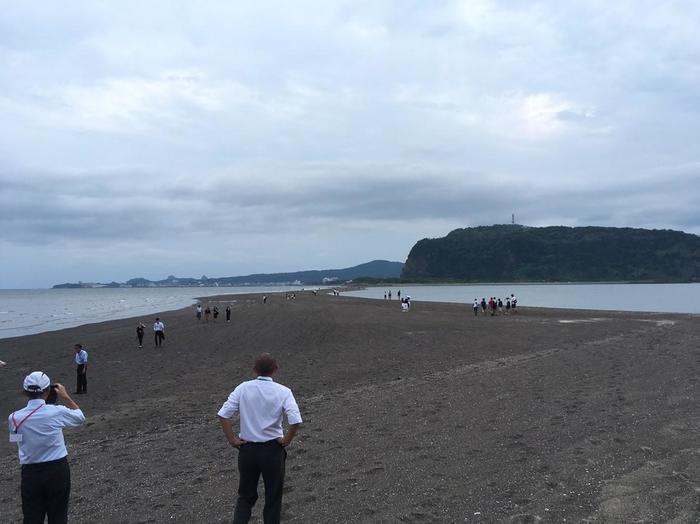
pixel 514 253
pixel 376 269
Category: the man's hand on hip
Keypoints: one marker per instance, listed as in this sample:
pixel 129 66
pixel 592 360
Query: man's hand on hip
pixel 237 442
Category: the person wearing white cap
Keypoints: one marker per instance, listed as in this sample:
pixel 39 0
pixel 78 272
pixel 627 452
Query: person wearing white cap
pixel 38 431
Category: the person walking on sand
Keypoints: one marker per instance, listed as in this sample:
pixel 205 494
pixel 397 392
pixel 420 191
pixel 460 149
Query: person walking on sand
pixel 81 359
pixel 228 313
pixel 476 307
pixel 38 431
pixel 140 330
pixel 159 332
pixel 483 305
pixel 215 312
pixel 199 311
pixel 207 312
pixel 261 442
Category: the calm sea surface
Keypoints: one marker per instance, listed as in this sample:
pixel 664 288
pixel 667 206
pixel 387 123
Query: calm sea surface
pixel 27 311
pixel 665 298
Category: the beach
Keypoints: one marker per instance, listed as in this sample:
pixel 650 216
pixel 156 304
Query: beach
pixel 432 415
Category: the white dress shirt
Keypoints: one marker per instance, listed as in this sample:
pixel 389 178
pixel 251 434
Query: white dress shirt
pixel 261 403
pixel 81 357
pixel 158 326
pixel 42 432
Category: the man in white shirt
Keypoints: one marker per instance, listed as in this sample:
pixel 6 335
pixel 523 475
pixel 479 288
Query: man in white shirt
pixel 159 332
pixel 38 431
pixel 81 359
pixel 261 442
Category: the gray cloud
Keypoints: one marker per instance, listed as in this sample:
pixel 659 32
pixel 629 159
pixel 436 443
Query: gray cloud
pixel 331 133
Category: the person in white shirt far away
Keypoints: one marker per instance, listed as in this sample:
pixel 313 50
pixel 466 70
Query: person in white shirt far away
pixel 81 360
pixel 159 332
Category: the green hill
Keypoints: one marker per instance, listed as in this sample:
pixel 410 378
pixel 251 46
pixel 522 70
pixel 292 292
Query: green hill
pixel 511 253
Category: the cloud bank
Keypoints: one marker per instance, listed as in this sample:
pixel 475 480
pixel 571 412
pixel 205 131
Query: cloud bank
pixel 188 138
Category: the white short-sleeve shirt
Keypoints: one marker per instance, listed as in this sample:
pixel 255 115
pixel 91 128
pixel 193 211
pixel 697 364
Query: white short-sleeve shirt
pixel 261 404
pixel 42 432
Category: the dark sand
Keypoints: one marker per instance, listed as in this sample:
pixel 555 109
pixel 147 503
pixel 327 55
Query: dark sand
pixel 431 415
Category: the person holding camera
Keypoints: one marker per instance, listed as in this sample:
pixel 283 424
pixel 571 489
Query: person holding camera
pixel 37 430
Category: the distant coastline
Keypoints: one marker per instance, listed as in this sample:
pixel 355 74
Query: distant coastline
pixel 379 269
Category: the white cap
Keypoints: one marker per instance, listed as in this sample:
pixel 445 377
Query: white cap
pixel 36 381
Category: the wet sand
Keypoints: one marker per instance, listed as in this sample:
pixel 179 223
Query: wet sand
pixel 426 416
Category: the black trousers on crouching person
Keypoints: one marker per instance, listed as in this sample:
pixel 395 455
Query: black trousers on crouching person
pixel 45 491
pixel 254 459
pixel 81 386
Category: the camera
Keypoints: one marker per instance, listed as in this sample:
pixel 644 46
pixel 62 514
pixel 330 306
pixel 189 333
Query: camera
pixel 53 396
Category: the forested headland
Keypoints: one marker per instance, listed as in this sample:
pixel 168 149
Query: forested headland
pixel 514 253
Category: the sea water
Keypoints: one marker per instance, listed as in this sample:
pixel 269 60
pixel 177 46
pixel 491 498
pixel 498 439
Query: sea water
pixel 28 311
pixel 664 298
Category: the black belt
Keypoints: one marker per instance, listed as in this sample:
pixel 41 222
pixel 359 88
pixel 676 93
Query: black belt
pixel 47 464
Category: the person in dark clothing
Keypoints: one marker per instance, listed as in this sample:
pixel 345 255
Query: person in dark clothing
pixel 140 330
pixel 228 313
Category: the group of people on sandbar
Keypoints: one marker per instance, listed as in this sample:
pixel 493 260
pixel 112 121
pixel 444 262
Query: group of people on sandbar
pixel 212 312
pixel 496 306
pixel 387 295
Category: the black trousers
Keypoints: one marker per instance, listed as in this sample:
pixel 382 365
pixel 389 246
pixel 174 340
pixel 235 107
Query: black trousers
pixel 268 459
pixel 140 337
pixel 159 336
pixel 45 491
pixel 81 379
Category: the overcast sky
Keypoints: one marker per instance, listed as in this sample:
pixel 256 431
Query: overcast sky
pixel 225 138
